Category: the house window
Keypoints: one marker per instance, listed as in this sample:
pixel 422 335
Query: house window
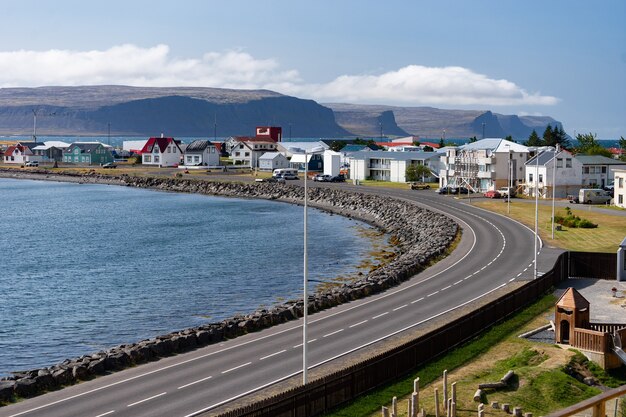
pixel 156 158
pixel 568 162
pixel 174 149
pixel 147 158
pixel 247 154
pixel 530 177
pixel 237 154
pixel 620 182
pixel 585 170
pixel 155 149
pixel 241 146
pixel 196 159
pixel 604 170
pixel 540 177
pixel 188 159
pixel 620 199
pixel 213 151
pixel 169 149
pixel 559 163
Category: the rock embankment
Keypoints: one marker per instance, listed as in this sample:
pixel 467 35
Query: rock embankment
pixel 420 235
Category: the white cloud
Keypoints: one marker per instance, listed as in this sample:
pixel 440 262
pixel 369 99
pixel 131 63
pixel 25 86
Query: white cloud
pixel 133 65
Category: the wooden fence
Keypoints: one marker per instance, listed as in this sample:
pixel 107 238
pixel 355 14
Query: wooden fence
pixel 322 395
pixel 592 340
pixel 592 265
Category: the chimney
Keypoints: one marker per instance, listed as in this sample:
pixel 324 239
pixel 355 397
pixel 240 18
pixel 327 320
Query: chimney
pixel 161 134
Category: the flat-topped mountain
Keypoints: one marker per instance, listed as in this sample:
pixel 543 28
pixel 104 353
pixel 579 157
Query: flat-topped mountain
pixel 205 112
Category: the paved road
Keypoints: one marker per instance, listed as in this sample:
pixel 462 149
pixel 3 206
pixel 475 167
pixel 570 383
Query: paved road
pixel 493 252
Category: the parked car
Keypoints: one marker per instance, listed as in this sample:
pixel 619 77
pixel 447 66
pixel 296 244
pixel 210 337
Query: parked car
pixel 593 196
pixel 463 190
pixel 322 178
pixel 289 176
pixel 504 191
pixel 492 194
pixel 109 165
pixel 338 178
pixel 419 186
pixel 31 164
pixel 448 190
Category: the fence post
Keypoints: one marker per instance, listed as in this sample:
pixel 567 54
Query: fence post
pixel 385 412
pixel 436 402
pixel 445 389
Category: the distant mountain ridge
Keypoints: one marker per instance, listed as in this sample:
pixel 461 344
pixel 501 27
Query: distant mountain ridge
pixel 205 112
pixel 430 122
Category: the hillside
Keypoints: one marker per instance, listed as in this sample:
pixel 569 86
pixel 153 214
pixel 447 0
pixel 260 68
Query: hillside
pixel 197 111
pixel 429 122
pixel 150 111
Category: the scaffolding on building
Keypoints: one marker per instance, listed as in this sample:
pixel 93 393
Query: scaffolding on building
pixel 466 170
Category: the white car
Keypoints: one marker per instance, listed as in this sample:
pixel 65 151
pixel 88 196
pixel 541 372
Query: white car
pixel 31 164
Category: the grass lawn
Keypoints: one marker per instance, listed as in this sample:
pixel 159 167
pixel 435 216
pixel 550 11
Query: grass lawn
pixel 605 238
pixel 540 384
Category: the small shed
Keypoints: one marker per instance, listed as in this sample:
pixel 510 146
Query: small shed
pixel 571 311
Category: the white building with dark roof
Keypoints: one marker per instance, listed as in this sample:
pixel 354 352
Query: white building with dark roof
pixel 389 166
pixel 550 170
pixel 270 161
pixel 201 153
pixel 598 170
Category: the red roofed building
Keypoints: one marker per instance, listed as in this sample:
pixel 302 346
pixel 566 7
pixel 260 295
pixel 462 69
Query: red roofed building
pixel 163 152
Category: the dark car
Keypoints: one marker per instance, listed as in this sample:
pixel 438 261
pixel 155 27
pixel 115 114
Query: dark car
pixel 109 165
pixel 448 190
pixel 338 178
pixel 463 190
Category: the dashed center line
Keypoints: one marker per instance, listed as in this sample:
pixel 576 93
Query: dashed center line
pixel 106 414
pixel 335 332
pixel 430 295
pixel 359 323
pixel 273 354
pixel 417 301
pixel 147 399
pixel 445 288
pixel 398 308
pixel 312 340
pixel 194 382
pixel 458 282
pixel 236 367
pixel 380 315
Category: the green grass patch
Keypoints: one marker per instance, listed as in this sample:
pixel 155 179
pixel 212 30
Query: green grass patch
pixel 460 356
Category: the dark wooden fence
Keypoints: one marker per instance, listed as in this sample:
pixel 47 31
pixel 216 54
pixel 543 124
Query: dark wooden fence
pixel 592 265
pixel 322 395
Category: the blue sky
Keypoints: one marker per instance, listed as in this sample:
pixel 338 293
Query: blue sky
pixel 565 59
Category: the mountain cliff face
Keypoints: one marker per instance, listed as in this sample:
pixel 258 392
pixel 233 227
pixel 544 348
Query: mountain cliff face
pixel 151 111
pixel 429 122
pixel 203 112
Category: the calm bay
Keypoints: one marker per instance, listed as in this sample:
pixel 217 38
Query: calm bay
pixel 84 267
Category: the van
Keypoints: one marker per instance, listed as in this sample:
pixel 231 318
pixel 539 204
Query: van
pixel 593 196
pixel 286 173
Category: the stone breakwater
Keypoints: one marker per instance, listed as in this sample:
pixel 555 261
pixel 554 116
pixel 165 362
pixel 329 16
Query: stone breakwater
pixel 420 235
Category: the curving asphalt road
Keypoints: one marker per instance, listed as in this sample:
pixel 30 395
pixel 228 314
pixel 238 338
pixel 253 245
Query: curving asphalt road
pixel 493 252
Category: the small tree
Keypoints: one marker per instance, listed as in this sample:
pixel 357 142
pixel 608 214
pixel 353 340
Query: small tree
pixel 587 144
pixel 411 173
pixel 423 171
pixel 428 148
pixel 533 139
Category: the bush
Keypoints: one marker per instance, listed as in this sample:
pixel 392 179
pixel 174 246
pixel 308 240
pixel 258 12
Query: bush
pixel 572 221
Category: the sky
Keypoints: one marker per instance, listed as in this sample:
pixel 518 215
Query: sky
pixel 558 58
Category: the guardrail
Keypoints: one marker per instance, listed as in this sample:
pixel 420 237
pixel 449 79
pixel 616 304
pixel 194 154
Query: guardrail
pixel 331 391
pixel 597 404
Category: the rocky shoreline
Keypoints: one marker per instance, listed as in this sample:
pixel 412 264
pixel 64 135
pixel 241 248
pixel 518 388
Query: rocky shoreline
pixel 419 235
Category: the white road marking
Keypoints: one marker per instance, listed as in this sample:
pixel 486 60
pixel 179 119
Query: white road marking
pixel 429 295
pixel 335 332
pixel 312 340
pixel 195 382
pixel 380 315
pixel 398 308
pixel 106 414
pixel 273 354
pixel 458 282
pixel 445 288
pixel 417 301
pixel 519 275
pixel 147 399
pixel 297 346
pixel 512 279
pixel 359 323
pixel 236 367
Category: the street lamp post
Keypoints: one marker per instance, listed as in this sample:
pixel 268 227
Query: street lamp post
pixel 556 153
pixel 305 306
pixel 34 124
pixel 509 175
pixel 536 210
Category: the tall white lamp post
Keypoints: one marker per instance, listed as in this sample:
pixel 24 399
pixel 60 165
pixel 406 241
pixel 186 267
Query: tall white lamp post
pixel 307 153
pixel 536 209
pixel 556 153
pixel 508 175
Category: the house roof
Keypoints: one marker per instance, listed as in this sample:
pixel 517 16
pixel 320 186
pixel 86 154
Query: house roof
pixel 546 156
pixel 162 143
pixel 52 144
pixel 198 145
pixel 85 147
pixel 270 155
pixel 598 160
pixel 398 156
pixel 496 145
pixel 29 145
pixel 571 298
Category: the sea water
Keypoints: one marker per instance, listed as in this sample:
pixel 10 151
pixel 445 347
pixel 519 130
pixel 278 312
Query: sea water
pixel 84 267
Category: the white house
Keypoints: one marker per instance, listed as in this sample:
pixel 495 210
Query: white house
pixel 597 170
pixel 619 188
pixel 484 165
pixel 389 166
pixel 247 151
pixel 552 169
pixel 201 152
pixel 161 152
pixel 270 161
